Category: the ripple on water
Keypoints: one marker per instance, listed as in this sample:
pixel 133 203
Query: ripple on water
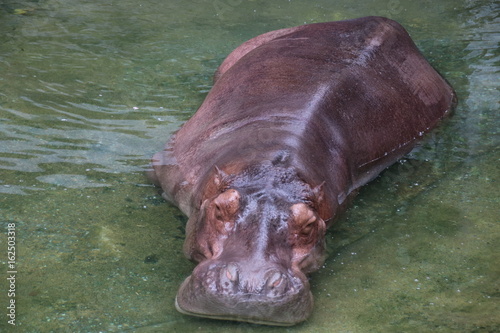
pixel 70 181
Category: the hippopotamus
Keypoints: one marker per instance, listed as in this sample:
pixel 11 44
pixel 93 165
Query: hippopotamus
pixel 296 121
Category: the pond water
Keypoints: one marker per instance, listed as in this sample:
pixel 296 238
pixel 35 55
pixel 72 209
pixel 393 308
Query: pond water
pixel 89 90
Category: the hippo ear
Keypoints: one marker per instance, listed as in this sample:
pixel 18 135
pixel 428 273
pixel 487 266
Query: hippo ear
pixel 220 179
pixel 318 202
pixel 318 194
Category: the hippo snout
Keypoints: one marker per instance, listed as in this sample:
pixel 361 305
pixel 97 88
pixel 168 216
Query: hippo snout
pixel 264 294
pixel 270 283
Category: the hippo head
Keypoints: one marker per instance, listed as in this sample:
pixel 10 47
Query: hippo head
pixel 255 238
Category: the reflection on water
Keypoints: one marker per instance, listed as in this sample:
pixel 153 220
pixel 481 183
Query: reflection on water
pixel 89 90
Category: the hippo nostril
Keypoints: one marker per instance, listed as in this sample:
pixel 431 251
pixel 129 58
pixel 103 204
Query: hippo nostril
pixel 274 280
pixel 229 277
pixel 232 272
pixel 277 284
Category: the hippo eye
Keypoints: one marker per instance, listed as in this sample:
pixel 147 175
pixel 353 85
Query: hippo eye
pixel 218 213
pixel 226 205
pixel 304 220
pixel 308 227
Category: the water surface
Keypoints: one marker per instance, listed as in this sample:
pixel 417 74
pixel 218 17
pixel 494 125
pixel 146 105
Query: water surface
pixel 89 90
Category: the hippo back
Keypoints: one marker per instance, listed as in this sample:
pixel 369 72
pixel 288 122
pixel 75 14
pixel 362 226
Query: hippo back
pixel 337 101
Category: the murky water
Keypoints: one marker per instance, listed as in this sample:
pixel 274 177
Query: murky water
pixel 89 90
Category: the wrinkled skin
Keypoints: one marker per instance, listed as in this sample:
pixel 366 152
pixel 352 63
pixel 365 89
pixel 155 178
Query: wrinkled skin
pixel 297 120
pixel 255 247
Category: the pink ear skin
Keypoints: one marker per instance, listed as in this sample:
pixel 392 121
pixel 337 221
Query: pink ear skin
pixel 220 179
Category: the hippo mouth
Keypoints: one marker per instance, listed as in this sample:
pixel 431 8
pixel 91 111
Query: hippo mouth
pixel 276 298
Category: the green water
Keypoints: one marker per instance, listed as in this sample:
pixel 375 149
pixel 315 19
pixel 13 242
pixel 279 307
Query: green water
pixel 89 90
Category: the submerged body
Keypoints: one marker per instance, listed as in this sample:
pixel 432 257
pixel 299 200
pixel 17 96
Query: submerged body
pixel 296 121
